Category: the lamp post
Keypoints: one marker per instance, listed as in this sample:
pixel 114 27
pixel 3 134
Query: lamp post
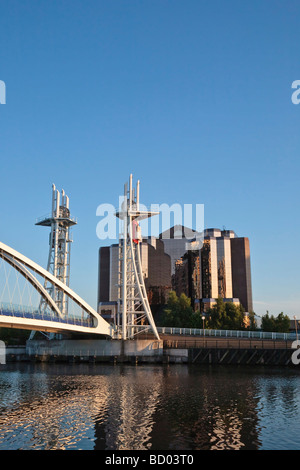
pixel 203 318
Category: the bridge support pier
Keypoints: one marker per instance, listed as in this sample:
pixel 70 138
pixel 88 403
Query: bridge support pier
pixel 115 351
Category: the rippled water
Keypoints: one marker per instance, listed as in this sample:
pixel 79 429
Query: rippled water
pixel 88 406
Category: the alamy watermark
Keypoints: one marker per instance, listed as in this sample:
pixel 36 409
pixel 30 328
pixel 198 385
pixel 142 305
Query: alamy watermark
pixel 296 94
pixel 2 92
pixel 296 354
pixel 181 216
pixel 2 353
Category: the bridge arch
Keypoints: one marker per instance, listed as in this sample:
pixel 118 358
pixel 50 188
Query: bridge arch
pixel 22 264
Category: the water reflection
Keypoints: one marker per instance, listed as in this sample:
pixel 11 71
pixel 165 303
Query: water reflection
pixel 82 406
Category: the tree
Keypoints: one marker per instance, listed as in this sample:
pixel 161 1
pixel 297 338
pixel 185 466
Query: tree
pixel 216 315
pixel 178 312
pixel 234 317
pixel 267 322
pixel 252 321
pixel 222 316
pixel 196 320
pixel 226 316
pixel 280 324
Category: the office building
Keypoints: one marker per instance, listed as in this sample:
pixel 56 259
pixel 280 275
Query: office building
pixel 156 267
pixel 241 272
pixel 220 267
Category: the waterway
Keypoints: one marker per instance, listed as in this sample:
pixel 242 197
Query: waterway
pixel 148 407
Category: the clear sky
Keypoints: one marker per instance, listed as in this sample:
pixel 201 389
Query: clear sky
pixel 191 96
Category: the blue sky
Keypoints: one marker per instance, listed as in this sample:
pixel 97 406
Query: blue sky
pixel 193 97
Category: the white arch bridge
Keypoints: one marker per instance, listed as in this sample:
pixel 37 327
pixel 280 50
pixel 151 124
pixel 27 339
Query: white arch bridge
pixel 25 301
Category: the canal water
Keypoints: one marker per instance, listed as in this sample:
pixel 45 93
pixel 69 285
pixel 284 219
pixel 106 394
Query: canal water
pixel 148 407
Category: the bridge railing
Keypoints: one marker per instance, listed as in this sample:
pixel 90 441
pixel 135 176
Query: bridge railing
pixel 247 334
pixel 21 311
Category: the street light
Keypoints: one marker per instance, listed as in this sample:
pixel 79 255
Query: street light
pixel 203 318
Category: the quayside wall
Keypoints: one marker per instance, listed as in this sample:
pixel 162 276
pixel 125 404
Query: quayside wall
pixel 153 351
pixel 94 350
pixel 246 356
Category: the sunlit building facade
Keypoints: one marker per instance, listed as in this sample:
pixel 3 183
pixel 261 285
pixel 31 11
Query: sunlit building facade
pixel 220 267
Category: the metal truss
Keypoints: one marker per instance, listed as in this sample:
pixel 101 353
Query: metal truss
pixel 59 222
pixel 58 264
pixel 134 308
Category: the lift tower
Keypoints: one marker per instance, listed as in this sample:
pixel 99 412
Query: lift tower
pixel 59 222
pixel 134 309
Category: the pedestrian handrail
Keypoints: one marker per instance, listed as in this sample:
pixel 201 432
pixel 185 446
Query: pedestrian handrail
pixel 227 333
pixel 13 310
pixel 249 334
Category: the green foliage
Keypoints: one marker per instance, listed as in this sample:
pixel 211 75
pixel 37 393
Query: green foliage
pixel 180 314
pixel 252 321
pixel 280 324
pixel 226 316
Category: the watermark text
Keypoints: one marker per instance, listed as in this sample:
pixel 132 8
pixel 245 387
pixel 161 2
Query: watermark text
pixel 296 354
pixel 296 94
pixel 163 216
pixel 2 92
pixel 2 353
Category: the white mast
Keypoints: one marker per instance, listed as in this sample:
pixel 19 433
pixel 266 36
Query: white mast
pixel 58 264
pixel 134 309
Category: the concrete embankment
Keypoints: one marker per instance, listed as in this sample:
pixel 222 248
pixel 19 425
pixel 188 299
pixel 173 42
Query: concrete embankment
pixel 113 351
pixel 151 351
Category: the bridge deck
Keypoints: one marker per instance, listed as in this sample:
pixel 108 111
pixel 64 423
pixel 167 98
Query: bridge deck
pixel 48 323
